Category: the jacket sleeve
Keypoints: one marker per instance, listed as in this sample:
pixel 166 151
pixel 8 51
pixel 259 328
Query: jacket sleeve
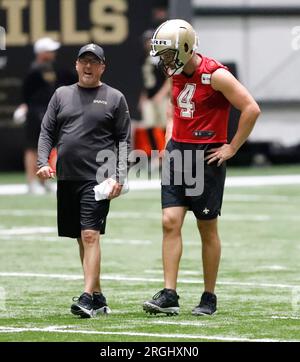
pixel 122 138
pixel 48 131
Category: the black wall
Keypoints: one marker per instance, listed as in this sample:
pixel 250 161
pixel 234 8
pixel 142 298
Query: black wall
pixel 123 56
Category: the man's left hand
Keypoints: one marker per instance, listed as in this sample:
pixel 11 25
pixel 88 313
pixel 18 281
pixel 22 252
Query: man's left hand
pixel 116 189
pixel 220 154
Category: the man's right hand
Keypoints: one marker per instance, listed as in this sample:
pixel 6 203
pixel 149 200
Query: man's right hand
pixel 45 173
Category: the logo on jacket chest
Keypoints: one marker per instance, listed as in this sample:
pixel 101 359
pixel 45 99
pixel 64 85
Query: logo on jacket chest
pixel 99 101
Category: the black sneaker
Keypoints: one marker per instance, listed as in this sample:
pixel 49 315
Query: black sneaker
pixel 83 306
pixel 165 301
pixel 99 304
pixel 207 305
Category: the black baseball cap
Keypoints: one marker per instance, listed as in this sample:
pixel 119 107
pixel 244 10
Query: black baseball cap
pixel 92 48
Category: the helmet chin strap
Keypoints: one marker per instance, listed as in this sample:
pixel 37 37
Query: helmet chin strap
pixel 178 71
pixel 179 67
pixel 174 71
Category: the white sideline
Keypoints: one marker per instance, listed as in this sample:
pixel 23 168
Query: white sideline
pixel 233 181
pixel 139 279
pixel 53 329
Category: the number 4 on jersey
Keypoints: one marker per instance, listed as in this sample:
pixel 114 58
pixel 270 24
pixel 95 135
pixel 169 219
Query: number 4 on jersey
pixel 184 100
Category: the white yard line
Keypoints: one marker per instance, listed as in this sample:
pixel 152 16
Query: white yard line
pixel 198 274
pixel 271 180
pixel 26 235
pixel 177 323
pixel 257 198
pixel 13 189
pixel 146 280
pixel 137 185
pixel 28 230
pixel 40 275
pixel 182 272
pixel 51 239
pixel 272 267
pixel 126 242
pixel 54 329
pixel 292 318
pixel 157 216
pixel 27 212
pixel 246 217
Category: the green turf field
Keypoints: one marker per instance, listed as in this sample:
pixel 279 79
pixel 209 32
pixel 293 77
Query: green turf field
pixel 258 287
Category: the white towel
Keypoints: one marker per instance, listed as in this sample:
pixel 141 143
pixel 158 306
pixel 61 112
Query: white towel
pixel 103 190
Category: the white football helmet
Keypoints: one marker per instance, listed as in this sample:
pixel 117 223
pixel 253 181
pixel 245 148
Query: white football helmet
pixel 175 42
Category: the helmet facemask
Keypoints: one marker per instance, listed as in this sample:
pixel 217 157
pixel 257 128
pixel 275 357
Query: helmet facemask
pixel 169 62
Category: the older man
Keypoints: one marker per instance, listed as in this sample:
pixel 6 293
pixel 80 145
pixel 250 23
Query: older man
pixel 83 119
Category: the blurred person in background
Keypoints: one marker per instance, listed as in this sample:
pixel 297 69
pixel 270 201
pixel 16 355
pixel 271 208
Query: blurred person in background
pixel 154 96
pixel 159 12
pixel 38 87
pixel 148 134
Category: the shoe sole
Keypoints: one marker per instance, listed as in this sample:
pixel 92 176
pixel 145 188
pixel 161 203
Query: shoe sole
pixel 154 309
pixel 204 314
pixel 103 310
pixel 82 312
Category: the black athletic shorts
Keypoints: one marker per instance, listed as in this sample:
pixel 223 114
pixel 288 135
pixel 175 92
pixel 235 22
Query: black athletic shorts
pixel 206 206
pixel 78 210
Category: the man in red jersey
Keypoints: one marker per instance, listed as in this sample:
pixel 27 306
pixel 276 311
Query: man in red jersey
pixel 202 92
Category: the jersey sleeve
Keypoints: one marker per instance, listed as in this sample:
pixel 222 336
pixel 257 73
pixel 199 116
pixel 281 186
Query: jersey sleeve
pixel 212 65
pixel 47 134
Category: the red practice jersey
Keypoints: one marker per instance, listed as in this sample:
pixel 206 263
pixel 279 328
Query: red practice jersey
pixel 200 113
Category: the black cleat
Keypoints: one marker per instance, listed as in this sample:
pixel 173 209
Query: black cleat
pixel 207 305
pixel 83 306
pixel 165 301
pixel 99 304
